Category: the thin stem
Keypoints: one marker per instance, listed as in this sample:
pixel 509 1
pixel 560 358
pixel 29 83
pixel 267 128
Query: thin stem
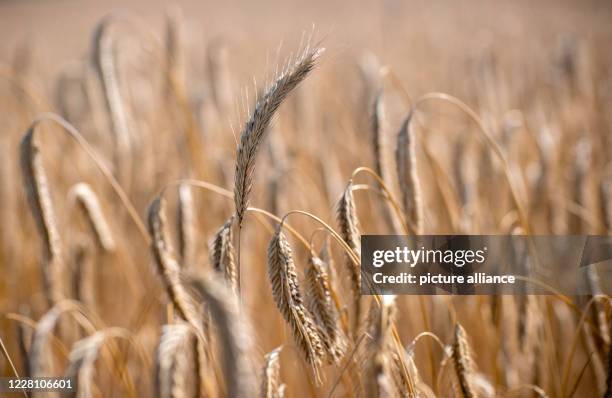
pixel 300 237
pixel 199 184
pixel 336 236
pixel 579 331
pixel 385 188
pixel 346 364
pixel 427 334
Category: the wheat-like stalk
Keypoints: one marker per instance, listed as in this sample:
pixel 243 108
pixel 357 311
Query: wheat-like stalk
pixel 288 298
pixel 320 304
pixel 168 265
pixel 270 385
pixel 82 359
pixel 222 253
pixel 255 128
pixel 349 230
pixel 405 157
pixel 379 364
pixel 463 365
pixel 83 279
pixel 39 358
pixel 37 189
pixel 81 365
pixel 348 221
pixel 89 204
pixel 234 334
pixel 407 380
pixel 172 360
pixel 103 62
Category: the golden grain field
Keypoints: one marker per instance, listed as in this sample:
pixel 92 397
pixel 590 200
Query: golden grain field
pixel 183 189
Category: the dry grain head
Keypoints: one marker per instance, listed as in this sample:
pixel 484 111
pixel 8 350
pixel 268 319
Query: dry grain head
pixel 88 202
pixel 271 386
pixel 222 254
pixel 288 298
pixel 234 333
pixel 37 189
pixel 319 302
pixel 463 365
pixel 167 264
pixel 255 127
pixel 405 157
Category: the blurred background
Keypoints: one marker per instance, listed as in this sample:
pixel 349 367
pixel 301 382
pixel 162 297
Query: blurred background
pixel 436 36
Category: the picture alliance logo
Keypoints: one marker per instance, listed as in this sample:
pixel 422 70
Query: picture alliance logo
pixel 412 257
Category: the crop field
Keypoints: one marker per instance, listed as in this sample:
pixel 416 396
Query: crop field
pixel 183 190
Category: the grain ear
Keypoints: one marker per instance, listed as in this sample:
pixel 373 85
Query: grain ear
pixel 254 130
pixel 348 223
pixel 88 202
pixel 36 186
pixel 234 334
pixel 168 265
pixel 405 158
pixel 222 254
pixel 288 298
pixel 270 385
pixel 463 365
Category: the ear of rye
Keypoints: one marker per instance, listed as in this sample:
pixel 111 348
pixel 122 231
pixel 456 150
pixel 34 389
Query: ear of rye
pixel 255 127
pixel 37 189
pixel 405 157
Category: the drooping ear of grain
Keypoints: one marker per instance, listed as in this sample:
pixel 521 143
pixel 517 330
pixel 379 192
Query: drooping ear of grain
pixel 40 360
pixel 288 298
pixel 348 221
pixel 37 189
pixel 405 157
pixel 222 253
pixel 103 62
pixel 255 128
pixel 82 361
pixel 234 333
pixel 83 286
pixel 463 365
pixel 405 374
pixel 349 230
pixel 270 386
pixel 168 265
pixel 382 377
pixel 88 202
pixel 319 303
pixel 172 360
